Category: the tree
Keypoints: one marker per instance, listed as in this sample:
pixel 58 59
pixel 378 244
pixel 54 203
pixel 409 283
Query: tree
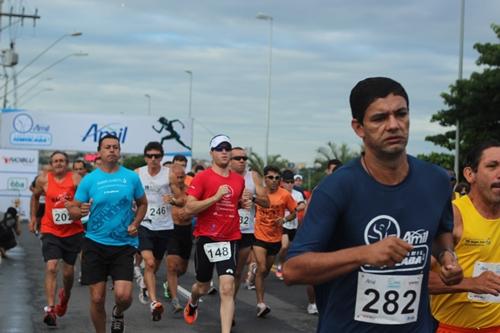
pixel 475 102
pixel 133 162
pixel 444 160
pixel 257 163
pixel 332 151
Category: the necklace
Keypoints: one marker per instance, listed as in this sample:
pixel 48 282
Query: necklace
pixel 366 165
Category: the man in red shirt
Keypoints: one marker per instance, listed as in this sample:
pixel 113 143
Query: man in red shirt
pixel 215 195
pixel 61 236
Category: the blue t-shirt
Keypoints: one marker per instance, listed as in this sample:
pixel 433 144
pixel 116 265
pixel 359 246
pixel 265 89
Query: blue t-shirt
pixel 111 212
pixel 348 209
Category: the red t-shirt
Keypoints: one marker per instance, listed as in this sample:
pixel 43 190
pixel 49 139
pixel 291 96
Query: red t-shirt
pixel 56 220
pixel 220 221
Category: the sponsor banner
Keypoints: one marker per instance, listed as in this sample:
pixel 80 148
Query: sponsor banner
pixel 18 161
pixel 22 129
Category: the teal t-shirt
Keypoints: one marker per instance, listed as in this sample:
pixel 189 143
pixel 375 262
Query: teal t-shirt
pixel 111 211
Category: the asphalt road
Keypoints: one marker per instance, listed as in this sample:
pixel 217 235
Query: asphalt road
pixel 22 301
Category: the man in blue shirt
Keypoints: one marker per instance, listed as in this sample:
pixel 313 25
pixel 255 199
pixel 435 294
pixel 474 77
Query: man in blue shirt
pixel 109 194
pixel 366 240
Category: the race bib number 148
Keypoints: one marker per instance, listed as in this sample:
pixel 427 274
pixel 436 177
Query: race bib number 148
pixel 387 299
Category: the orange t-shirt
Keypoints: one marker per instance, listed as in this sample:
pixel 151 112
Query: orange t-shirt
pixel 266 228
pixel 56 220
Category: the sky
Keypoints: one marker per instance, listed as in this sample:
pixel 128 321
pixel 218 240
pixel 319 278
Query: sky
pixel 320 50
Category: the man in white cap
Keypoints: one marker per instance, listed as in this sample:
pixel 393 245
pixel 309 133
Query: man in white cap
pixel 215 195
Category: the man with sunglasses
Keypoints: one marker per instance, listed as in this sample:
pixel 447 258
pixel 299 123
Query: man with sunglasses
pixel 254 187
pixel 269 229
pixel 215 195
pixel 157 225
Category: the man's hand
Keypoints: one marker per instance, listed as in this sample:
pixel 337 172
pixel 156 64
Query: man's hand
pixel 32 225
pixel 167 198
pixel 85 207
pixel 132 230
pixel 387 252
pixel 222 191
pixel 450 273
pixel 486 283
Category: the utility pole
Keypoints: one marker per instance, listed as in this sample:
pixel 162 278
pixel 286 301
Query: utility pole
pixel 8 56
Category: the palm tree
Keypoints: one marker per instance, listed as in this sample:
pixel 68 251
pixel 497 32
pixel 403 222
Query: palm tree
pixel 333 151
pixel 257 163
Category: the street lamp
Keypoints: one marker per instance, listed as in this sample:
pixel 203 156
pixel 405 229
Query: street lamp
pixel 190 73
pixel 460 73
pixel 149 103
pixel 37 83
pixel 41 91
pixel 261 16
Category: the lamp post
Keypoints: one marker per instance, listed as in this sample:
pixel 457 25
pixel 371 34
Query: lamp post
pixel 149 103
pixel 460 73
pixel 37 83
pixel 190 73
pixel 269 18
pixel 41 91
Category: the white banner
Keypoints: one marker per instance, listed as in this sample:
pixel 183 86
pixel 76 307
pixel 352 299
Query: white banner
pixel 21 129
pixel 18 168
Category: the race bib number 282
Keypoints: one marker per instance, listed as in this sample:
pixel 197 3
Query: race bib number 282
pixel 387 299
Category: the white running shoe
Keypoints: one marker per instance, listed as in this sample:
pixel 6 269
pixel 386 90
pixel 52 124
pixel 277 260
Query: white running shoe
pixel 143 296
pixel 312 309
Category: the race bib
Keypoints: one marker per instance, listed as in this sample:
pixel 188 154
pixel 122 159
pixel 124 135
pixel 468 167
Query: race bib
pixel 480 267
pixel 156 212
pixel 61 216
pixel 218 251
pixel 244 218
pixel 387 299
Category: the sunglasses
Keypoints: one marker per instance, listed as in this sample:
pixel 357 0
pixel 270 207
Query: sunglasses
pixel 240 158
pixel 222 148
pixel 273 177
pixel 289 181
pixel 157 156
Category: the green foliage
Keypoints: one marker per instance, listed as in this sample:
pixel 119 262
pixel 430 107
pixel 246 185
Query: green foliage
pixel 475 102
pixel 333 151
pixel 257 163
pixel 442 159
pixel 133 161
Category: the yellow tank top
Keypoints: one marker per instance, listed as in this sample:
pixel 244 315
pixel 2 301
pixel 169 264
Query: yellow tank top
pixel 480 242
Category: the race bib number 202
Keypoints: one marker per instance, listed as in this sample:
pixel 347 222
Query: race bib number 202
pixel 388 299
pixel 61 216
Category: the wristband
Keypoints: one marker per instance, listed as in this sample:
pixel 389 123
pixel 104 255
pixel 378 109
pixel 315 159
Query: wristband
pixel 444 251
pixel 253 198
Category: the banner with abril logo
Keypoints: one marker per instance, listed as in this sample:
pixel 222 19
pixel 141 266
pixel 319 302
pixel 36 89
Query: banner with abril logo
pixel 23 129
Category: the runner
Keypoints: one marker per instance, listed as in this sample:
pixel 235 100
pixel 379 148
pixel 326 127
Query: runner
pixel 61 235
pixel 269 230
pixel 157 225
pixel 366 238
pixel 180 242
pixel 80 167
pixel 254 188
pixel 474 304
pixel 215 195
pixel 111 238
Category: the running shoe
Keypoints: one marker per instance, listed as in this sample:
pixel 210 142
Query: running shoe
pixel 249 285
pixel 279 273
pixel 177 307
pixel 166 291
pixel 143 296
pixel 312 309
pixel 156 310
pixel 62 307
pixel 50 316
pixel 262 310
pixel 190 313
pixel 117 322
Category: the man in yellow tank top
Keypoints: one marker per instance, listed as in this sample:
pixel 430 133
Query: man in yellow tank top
pixel 474 304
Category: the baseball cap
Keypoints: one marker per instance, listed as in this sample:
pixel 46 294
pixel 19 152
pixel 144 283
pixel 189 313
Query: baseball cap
pixel 297 177
pixel 218 139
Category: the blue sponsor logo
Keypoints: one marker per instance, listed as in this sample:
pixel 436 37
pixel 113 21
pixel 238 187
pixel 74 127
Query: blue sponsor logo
pixel 95 133
pixel 27 132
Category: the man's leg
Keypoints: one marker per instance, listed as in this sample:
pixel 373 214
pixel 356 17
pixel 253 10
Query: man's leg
pixel 285 243
pixel 264 264
pixel 51 281
pixel 243 254
pixel 176 266
pixel 226 292
pixel 150 267
pixel 123 296
pixel 65 292
pixel 97 309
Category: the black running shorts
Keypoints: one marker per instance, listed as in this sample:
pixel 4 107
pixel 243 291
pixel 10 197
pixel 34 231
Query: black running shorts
pixel 204 268
pixel 100 261
pixel 272 248
pixel 65 248
pixel 290 232
pixel 155 241
pixel 246 241
pixel 181 241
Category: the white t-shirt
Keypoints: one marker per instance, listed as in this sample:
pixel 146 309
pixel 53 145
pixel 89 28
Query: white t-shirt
pixel 294 224
pixel 247 216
